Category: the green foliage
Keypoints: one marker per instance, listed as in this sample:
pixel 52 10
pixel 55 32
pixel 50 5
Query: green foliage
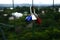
pixel 49 29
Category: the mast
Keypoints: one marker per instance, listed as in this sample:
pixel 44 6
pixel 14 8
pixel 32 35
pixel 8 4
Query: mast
pixel 53 5
pixel 32 6
pixel 13 4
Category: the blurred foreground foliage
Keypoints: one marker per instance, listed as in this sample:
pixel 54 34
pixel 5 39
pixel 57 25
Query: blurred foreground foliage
pixel 49 29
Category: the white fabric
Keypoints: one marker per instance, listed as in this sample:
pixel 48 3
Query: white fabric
pixel 33 14
pixel 33 17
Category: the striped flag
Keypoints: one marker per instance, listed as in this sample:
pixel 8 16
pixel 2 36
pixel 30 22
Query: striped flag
pixel 38 19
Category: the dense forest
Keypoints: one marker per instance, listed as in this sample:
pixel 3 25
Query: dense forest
pixel 17 29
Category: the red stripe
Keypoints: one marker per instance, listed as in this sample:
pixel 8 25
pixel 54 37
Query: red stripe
pixel 39 20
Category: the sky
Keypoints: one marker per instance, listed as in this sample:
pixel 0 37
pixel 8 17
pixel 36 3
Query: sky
pixel 30 1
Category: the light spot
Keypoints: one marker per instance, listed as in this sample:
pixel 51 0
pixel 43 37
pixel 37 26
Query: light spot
pixel 11 18
pixel 59 10
pixel 11 8
pixel 5 14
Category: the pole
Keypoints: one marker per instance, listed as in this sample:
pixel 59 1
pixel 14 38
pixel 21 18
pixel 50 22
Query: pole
pixel 33 28
pixel 3 35
pixel 13 4
pixel 53 5
pixel 32 6
pixel 14 16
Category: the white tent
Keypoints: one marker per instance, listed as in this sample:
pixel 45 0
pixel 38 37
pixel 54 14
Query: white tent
pixel 17 15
